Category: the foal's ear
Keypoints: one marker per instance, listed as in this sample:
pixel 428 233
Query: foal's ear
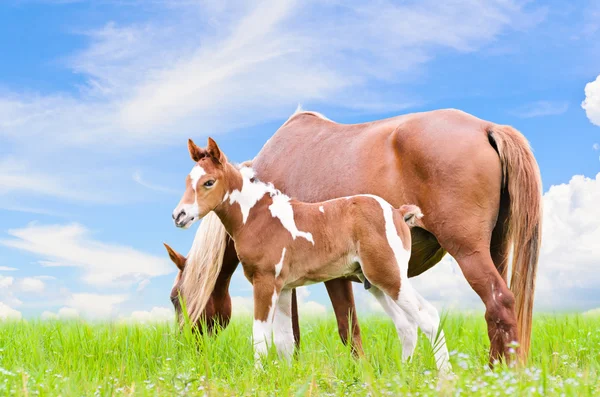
pixel 214 151
pixel 195 152
pixel 176 257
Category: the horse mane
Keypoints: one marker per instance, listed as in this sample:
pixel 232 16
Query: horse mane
pixel 299 111
pixel 203 265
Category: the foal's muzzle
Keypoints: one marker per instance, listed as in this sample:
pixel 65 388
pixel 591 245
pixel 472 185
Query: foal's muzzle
pixel 182 219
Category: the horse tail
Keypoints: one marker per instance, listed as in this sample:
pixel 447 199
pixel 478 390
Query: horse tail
pixel 204 263
pixel 522 181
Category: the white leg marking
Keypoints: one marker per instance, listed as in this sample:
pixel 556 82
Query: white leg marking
pixel 282 209
pixel 262 331
pixel 321 209
pixel 407 329
pixel 410 301
pixel 279 265
pixel 283 334
pixel 442 358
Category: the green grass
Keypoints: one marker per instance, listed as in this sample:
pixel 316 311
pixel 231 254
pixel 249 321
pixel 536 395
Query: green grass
pixel 80 358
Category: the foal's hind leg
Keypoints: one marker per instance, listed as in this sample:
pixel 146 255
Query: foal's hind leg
pixel 392 279
pixel 407 330
pixel 425 315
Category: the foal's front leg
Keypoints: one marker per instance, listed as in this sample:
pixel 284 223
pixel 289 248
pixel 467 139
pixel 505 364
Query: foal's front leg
pixel 266 296
pixel 283 334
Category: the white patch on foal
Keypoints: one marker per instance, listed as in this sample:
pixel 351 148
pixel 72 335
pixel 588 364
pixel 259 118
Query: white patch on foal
pixel 321 209
pixel 402 255
pixel 251 192
pixel 279 265
pixel 282 209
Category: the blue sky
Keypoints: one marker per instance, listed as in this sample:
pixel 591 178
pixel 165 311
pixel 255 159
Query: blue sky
pixel 97 99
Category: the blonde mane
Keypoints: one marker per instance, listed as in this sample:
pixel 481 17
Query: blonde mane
pixel 203 265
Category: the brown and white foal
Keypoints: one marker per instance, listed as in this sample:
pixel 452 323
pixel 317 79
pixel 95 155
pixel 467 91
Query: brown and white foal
pixel 283 243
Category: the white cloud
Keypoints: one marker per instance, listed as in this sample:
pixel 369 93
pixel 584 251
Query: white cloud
pixel 592 313
pixel 15 175
pixel 6 282
pixel 157 314
pixel 591 104
pixel 308 307
pixel 596 146
pixel 8 313
pixel 95 305
pixel 541 109
pixel 31 284
pixel 64 313
pixel 568 275
pixel 244 305
pixel 7 269
pixel 238 64
pixel 103 264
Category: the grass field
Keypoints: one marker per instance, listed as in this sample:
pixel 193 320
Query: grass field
pixel 80 358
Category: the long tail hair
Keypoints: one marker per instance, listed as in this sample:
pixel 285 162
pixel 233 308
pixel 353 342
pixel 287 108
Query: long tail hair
pixel 521 177
pixel 203 266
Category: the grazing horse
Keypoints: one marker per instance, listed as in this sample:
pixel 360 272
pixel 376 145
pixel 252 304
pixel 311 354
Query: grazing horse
pixel 478 182
pixel 284 243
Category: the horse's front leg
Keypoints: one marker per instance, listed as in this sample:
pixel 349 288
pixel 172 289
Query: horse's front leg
pixel 266 296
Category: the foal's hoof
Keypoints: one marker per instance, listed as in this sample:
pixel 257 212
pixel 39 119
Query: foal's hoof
pixel 446 378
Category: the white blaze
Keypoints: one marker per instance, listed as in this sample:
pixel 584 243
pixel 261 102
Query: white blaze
pixel 195 174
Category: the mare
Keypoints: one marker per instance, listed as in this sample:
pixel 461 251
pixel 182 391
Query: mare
pixel 477 181
pixel 284 243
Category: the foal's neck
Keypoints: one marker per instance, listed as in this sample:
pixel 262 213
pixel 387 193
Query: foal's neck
pixel 244 193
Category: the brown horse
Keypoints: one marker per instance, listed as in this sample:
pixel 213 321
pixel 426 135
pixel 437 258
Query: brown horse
pixel 284 243
pixel 477 181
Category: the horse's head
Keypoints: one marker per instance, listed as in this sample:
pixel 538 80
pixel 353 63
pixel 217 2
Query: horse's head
pixel 205 186
pixel 179 261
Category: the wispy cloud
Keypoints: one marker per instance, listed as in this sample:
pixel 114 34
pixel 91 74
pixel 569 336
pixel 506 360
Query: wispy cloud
pixel 152 81
pixel 203 67
pixel 137 177
pixel 541 109
pixel 7 269
pixel 591 104
pixel 103 264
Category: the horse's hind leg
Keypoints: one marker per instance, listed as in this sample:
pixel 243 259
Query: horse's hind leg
pixel 342 299
pixel 407 330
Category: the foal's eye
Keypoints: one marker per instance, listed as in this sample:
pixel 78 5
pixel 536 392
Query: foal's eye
pixel 209 183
